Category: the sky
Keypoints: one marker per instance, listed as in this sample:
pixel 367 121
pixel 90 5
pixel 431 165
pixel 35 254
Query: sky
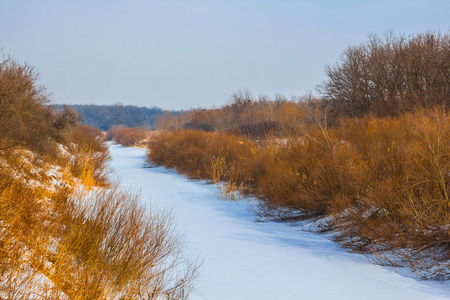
pixel 182 54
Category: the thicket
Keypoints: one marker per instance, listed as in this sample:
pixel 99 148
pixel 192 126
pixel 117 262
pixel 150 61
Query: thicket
pixel 245 115
pixel 126 136
pixel 61 235
pixel 88 155
pixel 26 121
pixel 376 177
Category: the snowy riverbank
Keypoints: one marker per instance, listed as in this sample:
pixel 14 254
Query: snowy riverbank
pixel 244 259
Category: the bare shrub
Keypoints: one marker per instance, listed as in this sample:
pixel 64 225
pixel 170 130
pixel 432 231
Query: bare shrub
pixel 193 152
pixel 244 115
pixel 170 120
pixel 98 245
pixel 126 136
pixel 256 130
pixel 25 122
pixel 110 247
pixel 23 233
pixel 89 155
pixel 403 209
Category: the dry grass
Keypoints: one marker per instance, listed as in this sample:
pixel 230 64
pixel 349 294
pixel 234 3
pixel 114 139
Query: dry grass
pixel 97 245
pixel 111 248
pixel 88 156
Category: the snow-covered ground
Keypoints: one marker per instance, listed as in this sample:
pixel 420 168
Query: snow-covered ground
pixel 245 259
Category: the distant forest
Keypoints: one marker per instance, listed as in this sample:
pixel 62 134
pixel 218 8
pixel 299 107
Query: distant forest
pixel 105 117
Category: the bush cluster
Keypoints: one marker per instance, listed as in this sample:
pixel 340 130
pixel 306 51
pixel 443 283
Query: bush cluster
pixel 126 136
pixel 244 114
pixel 193 152
pixel 390 76
pixel 26 119
pixel 382 184
pixel 89 155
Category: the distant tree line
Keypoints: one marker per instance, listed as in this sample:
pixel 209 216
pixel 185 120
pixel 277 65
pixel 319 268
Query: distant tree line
pixel 106 117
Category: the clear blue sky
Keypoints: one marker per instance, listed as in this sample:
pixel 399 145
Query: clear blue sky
pixel 183 54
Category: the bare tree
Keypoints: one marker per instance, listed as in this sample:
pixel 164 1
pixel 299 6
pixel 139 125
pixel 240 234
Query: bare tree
pixel 387 77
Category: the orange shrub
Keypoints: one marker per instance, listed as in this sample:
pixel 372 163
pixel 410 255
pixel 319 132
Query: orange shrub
pixel 89 155
pixel 126 136
pixel 406 200
pixel 193 152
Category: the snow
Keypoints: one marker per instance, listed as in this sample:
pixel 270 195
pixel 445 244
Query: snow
pixel 245 259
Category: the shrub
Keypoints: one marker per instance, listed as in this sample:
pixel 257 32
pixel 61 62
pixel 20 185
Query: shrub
pixel 126 136
pixel 404 208
pixel 25 121
pixel 193 152
pixel 89 155
pixel 21 238
pixel 109 247
pixel 100 245
pixel 256 130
